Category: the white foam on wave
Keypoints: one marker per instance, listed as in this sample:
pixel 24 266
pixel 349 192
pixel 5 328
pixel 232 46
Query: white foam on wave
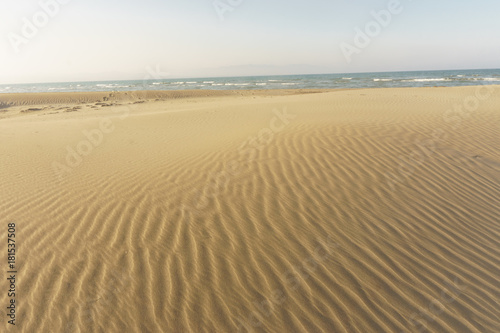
pixel 261 84
pixel 288 84
pixel 385 80
pixel 426 80
pixel 208 81
pixel 347 78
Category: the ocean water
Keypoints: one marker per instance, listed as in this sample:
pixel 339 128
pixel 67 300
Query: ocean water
pixel 324 81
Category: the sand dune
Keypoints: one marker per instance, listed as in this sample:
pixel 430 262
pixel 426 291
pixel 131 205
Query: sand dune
pixel 259 211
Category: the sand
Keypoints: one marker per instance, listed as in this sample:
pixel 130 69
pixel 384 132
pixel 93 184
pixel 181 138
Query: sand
pixel 253 211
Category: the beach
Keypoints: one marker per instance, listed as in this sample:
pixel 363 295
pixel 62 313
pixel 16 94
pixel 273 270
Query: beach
pixel 311 210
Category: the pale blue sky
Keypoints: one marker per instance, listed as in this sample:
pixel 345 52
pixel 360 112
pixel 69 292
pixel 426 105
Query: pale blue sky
pixel 121 39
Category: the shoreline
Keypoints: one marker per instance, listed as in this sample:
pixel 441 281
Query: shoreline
pixel 8 100
pixel 20 99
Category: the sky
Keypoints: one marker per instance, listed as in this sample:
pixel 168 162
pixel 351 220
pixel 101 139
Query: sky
pixel 92 40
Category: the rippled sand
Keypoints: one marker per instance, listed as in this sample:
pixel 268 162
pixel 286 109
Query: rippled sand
pixel 286 211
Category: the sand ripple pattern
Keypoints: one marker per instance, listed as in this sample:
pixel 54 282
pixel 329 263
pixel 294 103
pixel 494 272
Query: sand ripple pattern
pixel 306 236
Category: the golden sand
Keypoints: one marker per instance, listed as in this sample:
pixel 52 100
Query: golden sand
pixel 255 211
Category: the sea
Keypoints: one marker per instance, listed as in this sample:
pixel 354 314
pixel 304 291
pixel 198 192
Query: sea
pixel 448 78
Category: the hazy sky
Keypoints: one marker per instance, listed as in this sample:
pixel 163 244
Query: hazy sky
pixel 130 39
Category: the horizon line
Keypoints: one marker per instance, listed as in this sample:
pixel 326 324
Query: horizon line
pixel 238 76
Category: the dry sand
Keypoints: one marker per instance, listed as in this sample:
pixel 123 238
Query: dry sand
pixel 281 211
